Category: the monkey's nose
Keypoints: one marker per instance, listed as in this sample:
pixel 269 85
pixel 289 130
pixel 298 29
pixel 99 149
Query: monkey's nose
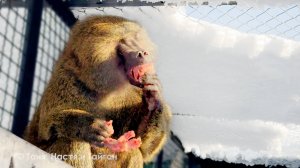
pixel 142 54
pixel 145 53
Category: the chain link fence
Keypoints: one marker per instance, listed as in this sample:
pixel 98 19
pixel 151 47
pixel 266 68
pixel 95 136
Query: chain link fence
pixel 243 16
pixel 12 32
pixel 53 34
pixel 278 21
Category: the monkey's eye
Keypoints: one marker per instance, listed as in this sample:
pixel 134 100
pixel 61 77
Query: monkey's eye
pixel 121 58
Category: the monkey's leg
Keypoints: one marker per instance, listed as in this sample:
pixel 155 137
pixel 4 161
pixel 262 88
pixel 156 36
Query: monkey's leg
pixel 76 153
pixel 71 132
pixel 103 157
pixel 73 124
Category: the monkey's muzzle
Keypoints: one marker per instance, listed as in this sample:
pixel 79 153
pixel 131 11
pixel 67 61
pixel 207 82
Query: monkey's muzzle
pixel 136 73
pixel 136 64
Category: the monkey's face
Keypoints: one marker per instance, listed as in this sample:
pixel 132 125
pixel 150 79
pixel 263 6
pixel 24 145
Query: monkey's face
pixel 136 58
pixel 111 53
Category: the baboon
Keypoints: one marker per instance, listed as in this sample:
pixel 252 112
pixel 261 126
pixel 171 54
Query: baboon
pixel 104 73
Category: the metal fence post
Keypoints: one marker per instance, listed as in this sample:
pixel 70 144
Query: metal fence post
pixel 159 163
pixel 62 10
pixel 26 77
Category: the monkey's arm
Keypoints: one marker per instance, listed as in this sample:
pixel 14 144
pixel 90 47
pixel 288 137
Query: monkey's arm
pixel 156 133
pixel 154 127
pixel 73 124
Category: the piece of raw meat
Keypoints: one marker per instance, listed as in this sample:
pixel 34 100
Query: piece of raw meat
pixel 124 143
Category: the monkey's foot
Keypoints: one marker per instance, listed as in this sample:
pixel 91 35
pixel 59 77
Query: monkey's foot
pixel 126 142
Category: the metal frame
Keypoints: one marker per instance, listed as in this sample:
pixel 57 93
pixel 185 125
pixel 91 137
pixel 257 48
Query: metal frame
pixel 22 107
pixel 62 10
pixel 111 3
pixel 88 3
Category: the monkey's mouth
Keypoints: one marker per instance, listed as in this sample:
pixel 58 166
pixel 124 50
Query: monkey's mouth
pixel 135 73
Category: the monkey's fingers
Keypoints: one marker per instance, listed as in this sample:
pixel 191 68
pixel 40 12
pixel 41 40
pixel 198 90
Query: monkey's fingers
pixel 151 88
pixel 151 82
pixel 101 132
pixel 150 76
pixel 153 104
pixel 152 92
pixel 97 144
pixel 95 138
pixel 100 123
pixel 103 126
pixel 153 97
pixel 109 127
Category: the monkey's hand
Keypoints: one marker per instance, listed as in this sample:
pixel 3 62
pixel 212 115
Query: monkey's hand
pixel 98 132
pixel 152 92
pixel 154 127
pixel 152 95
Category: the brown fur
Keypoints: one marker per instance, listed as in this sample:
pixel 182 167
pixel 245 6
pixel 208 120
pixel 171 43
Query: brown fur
pixel 85 86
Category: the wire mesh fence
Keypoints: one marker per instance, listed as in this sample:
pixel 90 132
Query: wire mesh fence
pixel 52 37
pixel 279 21
pixel 12 30
pixel 246 17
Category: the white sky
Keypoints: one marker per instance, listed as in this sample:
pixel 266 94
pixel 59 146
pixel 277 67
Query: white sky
pixel 243 88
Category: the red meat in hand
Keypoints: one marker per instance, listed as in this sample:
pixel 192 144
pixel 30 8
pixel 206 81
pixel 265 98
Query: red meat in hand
pixel 124 143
